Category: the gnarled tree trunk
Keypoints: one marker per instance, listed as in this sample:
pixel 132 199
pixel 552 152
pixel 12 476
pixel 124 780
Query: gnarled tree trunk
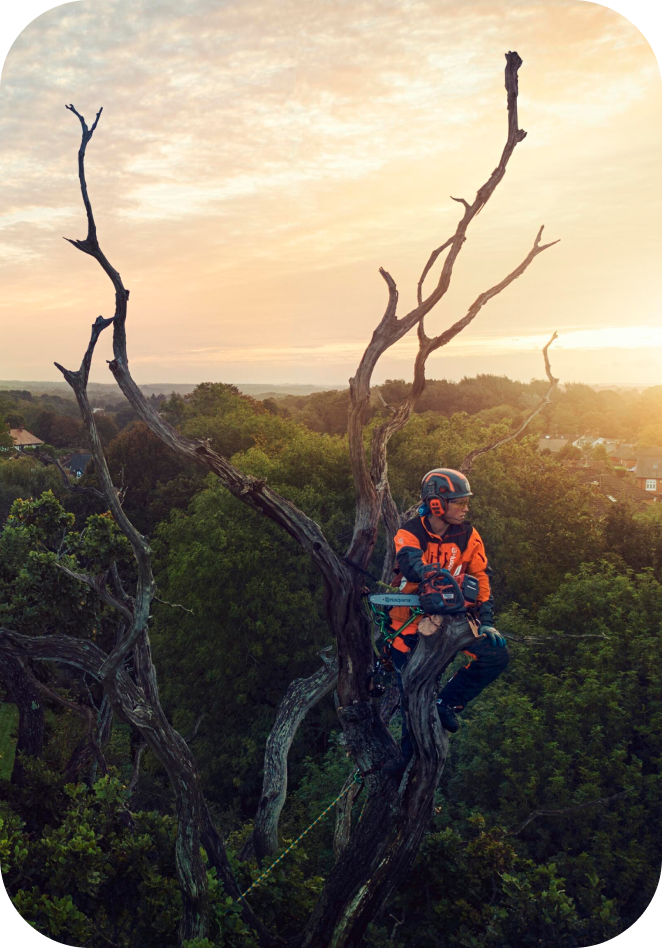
pixel 387 838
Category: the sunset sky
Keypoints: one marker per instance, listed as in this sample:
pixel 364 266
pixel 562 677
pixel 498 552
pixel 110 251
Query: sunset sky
pixel 256 163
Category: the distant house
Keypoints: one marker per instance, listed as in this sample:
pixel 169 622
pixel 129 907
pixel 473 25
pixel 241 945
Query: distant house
pixel 648 470
pixel 610 489
pixel 23 438
pixel 553 445
pixel 75 463
pixel 623 455
pixel 585 442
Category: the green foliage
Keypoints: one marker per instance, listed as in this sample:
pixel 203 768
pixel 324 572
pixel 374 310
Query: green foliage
pixel 36 596
pixel 573 720
pixel 23 477
pixel 635 538
pixel 97 873
pixel 157 480
pixel 251 632
pixel 101 543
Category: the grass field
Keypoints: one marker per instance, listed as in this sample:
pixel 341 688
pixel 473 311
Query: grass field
pixel 8 726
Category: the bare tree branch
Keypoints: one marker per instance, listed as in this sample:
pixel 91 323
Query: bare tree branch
pixel 530 640
pixel 370 484
pixel 145 582
pixel 250 490
pixel 73 488
pixel 82 711
pixel 300 697
pixel 402 414
pixel 174 605
pixel 588 805
pixel 467 463
pixel 138 752
pixel 98 584
pixel 194 824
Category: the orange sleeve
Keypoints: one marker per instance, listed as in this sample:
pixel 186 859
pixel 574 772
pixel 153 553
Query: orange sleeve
pixel 408 555
pixel 405 538
pixel 477 566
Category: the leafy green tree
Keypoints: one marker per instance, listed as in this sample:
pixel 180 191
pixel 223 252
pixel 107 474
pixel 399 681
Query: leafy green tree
pixel 15 419
pixel 42 425
pixel 573 720
pixel 257 608
pixel 24 477
pixel 66 433
pixel 5 438
pixel 106 426
pixel 156 480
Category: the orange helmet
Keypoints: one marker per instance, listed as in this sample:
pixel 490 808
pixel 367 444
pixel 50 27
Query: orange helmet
pixel 441 485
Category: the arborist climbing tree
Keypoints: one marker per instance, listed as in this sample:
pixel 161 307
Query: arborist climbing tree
pixel 378 852
pixel 441 556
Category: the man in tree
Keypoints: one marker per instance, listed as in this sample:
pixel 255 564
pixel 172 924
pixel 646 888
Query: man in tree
pixel 441 538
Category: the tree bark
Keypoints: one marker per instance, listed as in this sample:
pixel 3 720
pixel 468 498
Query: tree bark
pixel 343 828
pixel 386 840
pixel 300 697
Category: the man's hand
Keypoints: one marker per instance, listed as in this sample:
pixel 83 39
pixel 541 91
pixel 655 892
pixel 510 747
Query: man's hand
pixel 493 635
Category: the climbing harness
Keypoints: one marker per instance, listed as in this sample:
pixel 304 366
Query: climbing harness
pixel 358 778
pixel 383 666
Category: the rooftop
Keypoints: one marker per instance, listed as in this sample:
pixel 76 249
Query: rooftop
pixel 24 438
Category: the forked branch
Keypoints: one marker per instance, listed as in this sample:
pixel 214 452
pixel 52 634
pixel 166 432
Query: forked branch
pixel 370 482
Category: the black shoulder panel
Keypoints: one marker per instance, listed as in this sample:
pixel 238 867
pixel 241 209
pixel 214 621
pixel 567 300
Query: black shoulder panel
pixel 459 534
pixel 416 527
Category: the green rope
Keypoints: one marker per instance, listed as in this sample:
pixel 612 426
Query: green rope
pixel 357 779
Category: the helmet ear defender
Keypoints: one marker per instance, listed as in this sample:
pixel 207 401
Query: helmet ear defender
pixel 437 507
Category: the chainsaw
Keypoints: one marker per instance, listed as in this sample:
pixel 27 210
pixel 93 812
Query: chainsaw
pixel 452 597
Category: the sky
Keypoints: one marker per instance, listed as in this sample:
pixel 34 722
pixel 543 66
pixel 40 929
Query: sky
pixel 256 163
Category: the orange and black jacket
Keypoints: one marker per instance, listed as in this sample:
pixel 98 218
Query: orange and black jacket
pixel 460 550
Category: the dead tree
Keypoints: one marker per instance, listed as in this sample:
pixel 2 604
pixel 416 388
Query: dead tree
pixel 381 848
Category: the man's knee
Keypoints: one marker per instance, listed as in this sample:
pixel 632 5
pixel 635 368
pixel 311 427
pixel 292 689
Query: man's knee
pixel 492 656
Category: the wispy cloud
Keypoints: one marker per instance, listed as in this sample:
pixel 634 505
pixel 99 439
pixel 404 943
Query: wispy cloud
pixel 256 163
pixel 574 340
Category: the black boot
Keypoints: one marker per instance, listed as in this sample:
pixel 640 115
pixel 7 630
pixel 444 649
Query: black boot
pixel 448 717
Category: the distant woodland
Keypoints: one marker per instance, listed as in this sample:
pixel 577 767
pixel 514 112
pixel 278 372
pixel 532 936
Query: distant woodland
pixel 548 825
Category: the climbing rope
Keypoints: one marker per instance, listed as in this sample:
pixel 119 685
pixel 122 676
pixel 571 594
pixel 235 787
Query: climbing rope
pixel 358 778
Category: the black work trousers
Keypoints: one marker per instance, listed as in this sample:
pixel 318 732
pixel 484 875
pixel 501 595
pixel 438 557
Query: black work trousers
pixel 486 664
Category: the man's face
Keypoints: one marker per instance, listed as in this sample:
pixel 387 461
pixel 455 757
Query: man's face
pixel 457 510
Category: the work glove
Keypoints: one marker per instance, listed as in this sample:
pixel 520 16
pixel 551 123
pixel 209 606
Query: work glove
pixel 429 571
pixel 493 635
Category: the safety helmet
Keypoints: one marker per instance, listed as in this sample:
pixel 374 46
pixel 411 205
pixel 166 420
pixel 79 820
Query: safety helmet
pixel 441 485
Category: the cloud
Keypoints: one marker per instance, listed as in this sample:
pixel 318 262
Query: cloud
pixel 282 152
